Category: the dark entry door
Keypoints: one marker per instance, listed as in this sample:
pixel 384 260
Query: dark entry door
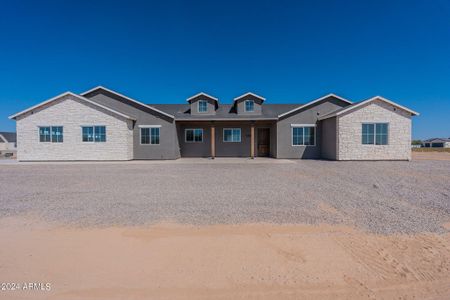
pixel 263 141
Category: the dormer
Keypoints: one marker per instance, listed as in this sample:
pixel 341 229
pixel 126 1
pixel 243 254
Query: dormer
pixel 203 104
pixel 248 104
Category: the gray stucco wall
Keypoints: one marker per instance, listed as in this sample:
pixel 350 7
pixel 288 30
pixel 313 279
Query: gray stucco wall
pixel 241 149
pixel 328 146
pixel 195 149
pixel 211 107
pixel 306 115
pixel 273 140
pixel 240 106
pixel 168 147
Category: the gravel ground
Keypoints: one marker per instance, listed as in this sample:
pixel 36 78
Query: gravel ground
pixel 381 197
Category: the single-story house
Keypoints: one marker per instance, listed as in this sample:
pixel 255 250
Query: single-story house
pixel 436 143
pixel 8 145
pixel 101 124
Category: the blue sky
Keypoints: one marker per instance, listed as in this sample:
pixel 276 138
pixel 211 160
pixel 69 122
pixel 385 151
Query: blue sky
pixel 287 51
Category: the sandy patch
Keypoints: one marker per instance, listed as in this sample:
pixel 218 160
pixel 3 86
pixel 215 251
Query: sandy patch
pixel 430 155
pixel 446 225
pixel 255 261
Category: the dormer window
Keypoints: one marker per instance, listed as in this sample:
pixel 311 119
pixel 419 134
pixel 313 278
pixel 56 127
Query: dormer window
pixel 202 106
pixel 249 105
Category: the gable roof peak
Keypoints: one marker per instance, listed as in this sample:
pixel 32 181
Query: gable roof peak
pixel 361 103
pixel 249 94
pixel 202 94
pixel 68 93
pixel 315 101
pixel 99 87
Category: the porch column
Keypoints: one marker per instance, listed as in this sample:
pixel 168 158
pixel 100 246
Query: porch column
pixel 252 141
pixel 213 142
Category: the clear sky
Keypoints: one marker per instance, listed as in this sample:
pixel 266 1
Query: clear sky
pixel 286 51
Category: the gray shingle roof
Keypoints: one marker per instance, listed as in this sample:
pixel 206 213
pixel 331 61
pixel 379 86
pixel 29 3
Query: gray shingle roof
pixel 9 136
pixel 224 111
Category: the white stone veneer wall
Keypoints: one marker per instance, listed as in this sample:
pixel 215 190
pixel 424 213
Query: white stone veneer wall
pixel 350 145
pixel 70 113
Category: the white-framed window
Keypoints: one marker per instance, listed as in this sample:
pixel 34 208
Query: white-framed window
pixel 249 105
pixel 54 134
pixel 303 135
pixel 232 135
pixel 193 135
pixel 93 134
pixel 375 133
pixel 202 106
pixel 150 134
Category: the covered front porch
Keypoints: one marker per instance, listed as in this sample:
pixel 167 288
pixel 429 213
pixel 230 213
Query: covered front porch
pixel 227 138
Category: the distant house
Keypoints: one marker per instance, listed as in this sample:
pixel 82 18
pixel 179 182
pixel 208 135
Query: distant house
pixel 436 143
pixel 8 143
pixel 101 124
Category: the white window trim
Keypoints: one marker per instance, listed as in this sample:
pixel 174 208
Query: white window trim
pixel 149 126
pixel 240 135
pixel 185 135
pixel 93 127
pixel 245 105
pixel 198 106
pixel 50 126
pixel 302 126
pixel 375 133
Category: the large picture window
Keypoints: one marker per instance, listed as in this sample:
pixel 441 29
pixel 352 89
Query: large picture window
pixel 375 133
pixel 193 135
pixel 54 134
pixel 232 135
pixel 304 135
pixel 93 134
pixel 202 106
pixel 150 135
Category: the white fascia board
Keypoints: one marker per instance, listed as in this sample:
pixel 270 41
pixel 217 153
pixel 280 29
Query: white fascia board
pixel 366 102
pixel 248 94
pixel 303 125
pixel 128 98
pixel 314 101
pixel 39 105
pixel 149 126
pixel 73 95
pixel 202 94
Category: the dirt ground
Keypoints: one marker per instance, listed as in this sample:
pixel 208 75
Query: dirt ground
pixel 252 261
pixel 430 155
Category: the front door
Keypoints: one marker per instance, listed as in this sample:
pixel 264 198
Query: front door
pixel 263 144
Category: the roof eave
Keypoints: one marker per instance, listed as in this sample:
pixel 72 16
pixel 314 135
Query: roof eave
pixel 249 94
pixel 68 93
pixel 412 112
pixel 127 98
pixel 314 101
pixel 202 94
pixel 226 119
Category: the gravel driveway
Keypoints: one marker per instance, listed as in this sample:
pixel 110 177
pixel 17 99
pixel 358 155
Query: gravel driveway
pixel 382 197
